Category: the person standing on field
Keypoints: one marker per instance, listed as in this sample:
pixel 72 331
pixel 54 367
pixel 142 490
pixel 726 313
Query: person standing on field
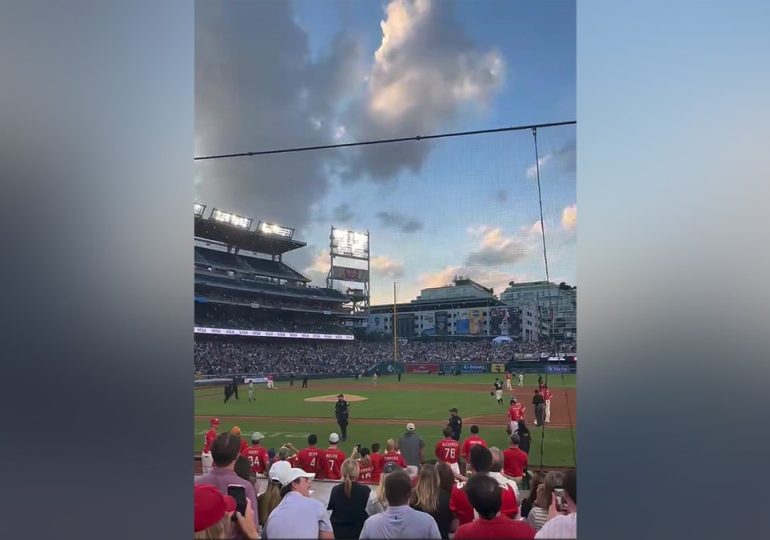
pixel 342 413
pixel 206 459
pixel 539 403
pixel 547 397
pixel 251 391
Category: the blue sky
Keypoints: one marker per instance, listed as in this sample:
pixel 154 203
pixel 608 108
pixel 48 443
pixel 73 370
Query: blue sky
pixel 474 199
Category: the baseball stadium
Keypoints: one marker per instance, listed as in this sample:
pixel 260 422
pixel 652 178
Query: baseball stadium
pixel 273 354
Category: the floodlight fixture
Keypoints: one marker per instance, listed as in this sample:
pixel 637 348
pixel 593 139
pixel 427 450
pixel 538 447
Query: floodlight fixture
pixel 271 229
pixel 231 219
pixel 350 243
pixel 198 209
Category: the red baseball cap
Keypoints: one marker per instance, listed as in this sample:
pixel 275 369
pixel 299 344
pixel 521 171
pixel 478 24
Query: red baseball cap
pixel 210 506
pixel 215 421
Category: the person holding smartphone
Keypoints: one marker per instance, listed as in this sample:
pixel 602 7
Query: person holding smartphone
pixel 562 513
pixel 216 515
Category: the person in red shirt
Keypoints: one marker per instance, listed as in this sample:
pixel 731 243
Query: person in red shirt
pixel 244 445
pixel 515 413
pixel 473 439
pixel 257 454
pixel 508 385
pixel 376 459
pixel 392 455
pixel 206 460
pixel 481 464
pixel 515 460
pixel 333 458
pixel 365 467
pixel 485 496
pixel 547 397
pixel 311 458
pixel 448 451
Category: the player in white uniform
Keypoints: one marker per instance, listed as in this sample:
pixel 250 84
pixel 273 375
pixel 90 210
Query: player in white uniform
pixel 374 378
pixel 508 381
pixel 521 378
pixel 251 391
pixel 270 382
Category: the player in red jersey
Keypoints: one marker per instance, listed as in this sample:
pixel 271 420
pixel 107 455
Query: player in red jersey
pixel 244 445
pixel 481 464
pixel 365 467
pixel 257 454
pixel 333 458
pixel 448 451
pixel 508 385
pixel 515 413
pixel 393 455
pixel 547 397
pixel 376 458
pixel 311 458
pixel 206 460
pixel 515 460
pixel 472 440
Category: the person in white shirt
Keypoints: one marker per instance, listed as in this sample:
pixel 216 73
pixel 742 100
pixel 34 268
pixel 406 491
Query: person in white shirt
pixel 298 515
pixel 562 524
pixel 251 391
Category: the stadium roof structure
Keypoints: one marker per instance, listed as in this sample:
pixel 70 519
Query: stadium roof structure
pixel 255 241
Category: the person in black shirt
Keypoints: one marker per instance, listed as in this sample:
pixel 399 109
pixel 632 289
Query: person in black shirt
pixel 347 502
pixel 291 379
pixel 524 437
pixel 235 387
pixel 455 423
pixel 304 381
pixel 539 404
pixel 342 411
pixel 228 392
pixel 499 391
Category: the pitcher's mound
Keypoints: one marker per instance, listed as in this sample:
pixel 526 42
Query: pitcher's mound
pixel 348 397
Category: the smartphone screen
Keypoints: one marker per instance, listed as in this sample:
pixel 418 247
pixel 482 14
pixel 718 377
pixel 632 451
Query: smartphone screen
pixel 239 494
pixel 561 506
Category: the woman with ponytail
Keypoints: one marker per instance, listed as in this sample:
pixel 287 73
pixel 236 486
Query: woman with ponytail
pixel 347 502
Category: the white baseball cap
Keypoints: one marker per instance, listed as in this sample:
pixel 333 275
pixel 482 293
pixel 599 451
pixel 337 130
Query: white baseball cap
pixel 410 427
pixel 278 469
pixel 291 475
pixel 257 436
pixel 334 438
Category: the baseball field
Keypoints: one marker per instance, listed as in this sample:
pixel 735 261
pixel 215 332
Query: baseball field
pixel 291 413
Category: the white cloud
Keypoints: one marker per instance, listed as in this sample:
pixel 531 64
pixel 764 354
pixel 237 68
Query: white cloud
pixel 425 70
pixel 569 217
pixel 385 266
pixel 496 248
pixel 532 169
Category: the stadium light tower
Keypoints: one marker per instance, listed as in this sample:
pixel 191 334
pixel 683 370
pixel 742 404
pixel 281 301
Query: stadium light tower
pixel 351 245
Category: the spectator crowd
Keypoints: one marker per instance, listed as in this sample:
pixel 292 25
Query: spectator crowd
pixel 253 492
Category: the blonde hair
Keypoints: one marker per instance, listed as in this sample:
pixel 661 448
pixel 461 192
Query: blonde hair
pixel 267 501
pixel 349 471
pixel 218 531
pixel 380 492
pixel 390 444
pixel 425 494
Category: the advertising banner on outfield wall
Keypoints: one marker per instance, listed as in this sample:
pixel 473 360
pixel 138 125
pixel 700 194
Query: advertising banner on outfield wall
pixel 442 318
pixel 422 368
pixel 469 367
pixel 498 368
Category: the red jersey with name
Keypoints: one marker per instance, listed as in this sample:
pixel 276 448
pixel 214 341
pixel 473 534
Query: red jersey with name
pixel 514 461
pixel 448 450
pixel 257 456
pixel 366 471
pixel 470 441
pixel 333 458
pixel 463 511
pixel 208 440
pixel 395 457
pixel 546 394
pixel 516 412
pixel 311 459
pixel 497 527
pixel 377 464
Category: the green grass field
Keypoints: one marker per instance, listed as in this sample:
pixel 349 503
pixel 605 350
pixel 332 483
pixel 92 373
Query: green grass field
pixel 293 419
